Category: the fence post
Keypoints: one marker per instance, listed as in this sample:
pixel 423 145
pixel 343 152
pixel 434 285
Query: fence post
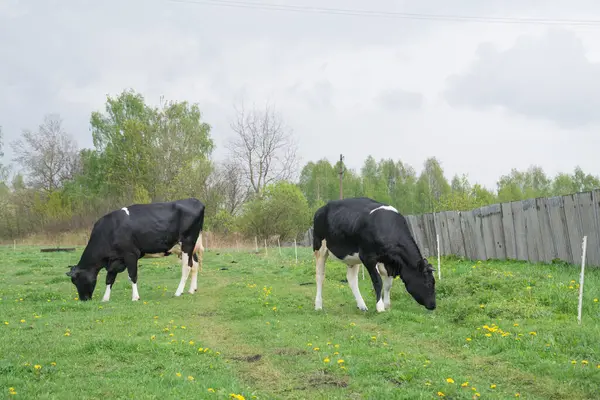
pixel 296 251
pixel 265 247
pixel 581 278
pixel 256 243
pixel 438 257
pixel 279 245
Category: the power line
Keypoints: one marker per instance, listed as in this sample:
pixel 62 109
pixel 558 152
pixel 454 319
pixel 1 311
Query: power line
pixel 389 14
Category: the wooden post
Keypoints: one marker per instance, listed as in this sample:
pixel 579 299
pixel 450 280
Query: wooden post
pixel 15 245
pixel 296 251
pixel 438 256
pixel 256 243
pixel 279 245
pixel 265 246
pixel 581 277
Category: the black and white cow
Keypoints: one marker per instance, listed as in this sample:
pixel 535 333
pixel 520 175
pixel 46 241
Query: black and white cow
pixel 362 230
pixel 120 238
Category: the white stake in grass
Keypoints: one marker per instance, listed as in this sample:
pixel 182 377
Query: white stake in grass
pixel 265 247
pixel 256 243
pixel 583 253
pixel 296 251
pixel 438 255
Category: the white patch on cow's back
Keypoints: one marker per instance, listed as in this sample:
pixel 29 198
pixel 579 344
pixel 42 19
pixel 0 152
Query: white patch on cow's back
pixel 126 210
pixel 389 208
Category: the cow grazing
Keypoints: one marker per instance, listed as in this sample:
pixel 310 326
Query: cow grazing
pixel 362 230
pixel 120 238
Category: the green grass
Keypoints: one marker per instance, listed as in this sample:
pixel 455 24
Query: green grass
pixel 254 314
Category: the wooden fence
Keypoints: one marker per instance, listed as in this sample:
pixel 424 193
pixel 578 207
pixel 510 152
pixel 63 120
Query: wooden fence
pixel 536 230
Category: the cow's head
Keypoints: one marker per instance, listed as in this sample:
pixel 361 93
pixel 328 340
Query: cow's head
pixel 84 280
pixel 420 283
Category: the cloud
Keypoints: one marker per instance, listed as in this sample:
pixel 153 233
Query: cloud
pixel 398 99
pixel 546 77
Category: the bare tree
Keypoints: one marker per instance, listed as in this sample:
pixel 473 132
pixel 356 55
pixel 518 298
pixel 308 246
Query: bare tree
pixel 263 147
pixel 48 156
pixel 233 187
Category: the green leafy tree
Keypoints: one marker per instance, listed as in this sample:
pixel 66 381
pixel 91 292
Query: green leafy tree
pixel 281 210
pixel 431 185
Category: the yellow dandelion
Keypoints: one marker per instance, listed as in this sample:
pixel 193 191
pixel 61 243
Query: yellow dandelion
pixel 309 344
pixel 268 323
pixel 190 378
pixel 152 337
pixel 533 333
pixel 481 306
pixel 178 374
pixel 316 349
pixel 336 353
pixel 37 366
pixel 468 339
pixel 6 322
pixel 465 384
pixel 22 321
pixel 211 390
pixel 275 308
pixel 326 360
pixel 171 334
pixel 337 346
pixel 477 395
pixel 584 362
pixel 441 394
pixel 595 300
pixel 156 317
pixel 183 327
pixel 352 324
pixel 53 364
pixel 374 337
pixel 449 380
pixel 340 361
pixel 218 352
pixel 191 342
pixel 573 362
pixel 517 394
pixel 492 386
pixel 515 324
pixel 488 334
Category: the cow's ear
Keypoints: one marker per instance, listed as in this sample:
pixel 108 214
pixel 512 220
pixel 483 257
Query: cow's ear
pixel 72 271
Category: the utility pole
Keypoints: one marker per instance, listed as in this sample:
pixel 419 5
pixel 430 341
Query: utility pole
pixel 341 173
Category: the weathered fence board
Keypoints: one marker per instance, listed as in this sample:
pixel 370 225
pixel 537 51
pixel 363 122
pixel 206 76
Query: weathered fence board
pixel 520 230
pixel 548 249
pixel 483 214
pixel 574 226
pixel 457 243
pixel 532 229
pixel 558 228
pixel 430 233
pixel 509 231
pixel 465 227
pixel 444 235
pixel 476 235
pixel 495 217
pixel 587 215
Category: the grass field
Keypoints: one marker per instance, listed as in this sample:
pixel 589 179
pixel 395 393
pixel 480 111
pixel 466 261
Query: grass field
pixel 501 330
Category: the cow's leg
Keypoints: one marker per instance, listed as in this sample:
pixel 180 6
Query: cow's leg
pixel 371 265
pixel 387 286
pixel 352 275
pixel 185 272
pixel 131 262
pixel 194 277
pixel 321 257
pixel 110 280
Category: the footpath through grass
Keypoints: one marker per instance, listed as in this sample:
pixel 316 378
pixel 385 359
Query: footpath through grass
pixel 501 330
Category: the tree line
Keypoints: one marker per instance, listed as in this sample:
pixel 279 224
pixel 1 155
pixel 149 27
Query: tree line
pixel 143 153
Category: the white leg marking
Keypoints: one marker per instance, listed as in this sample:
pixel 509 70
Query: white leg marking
pixel 387 286
pixel 352 275
pixel 135 296
pixel 194 278
pixel 185 271
pixel 380 307
pixel 126 210
pixel 106 294
pixel 321 256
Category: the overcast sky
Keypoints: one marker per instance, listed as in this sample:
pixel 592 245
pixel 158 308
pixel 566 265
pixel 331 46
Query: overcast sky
pixel 481 97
